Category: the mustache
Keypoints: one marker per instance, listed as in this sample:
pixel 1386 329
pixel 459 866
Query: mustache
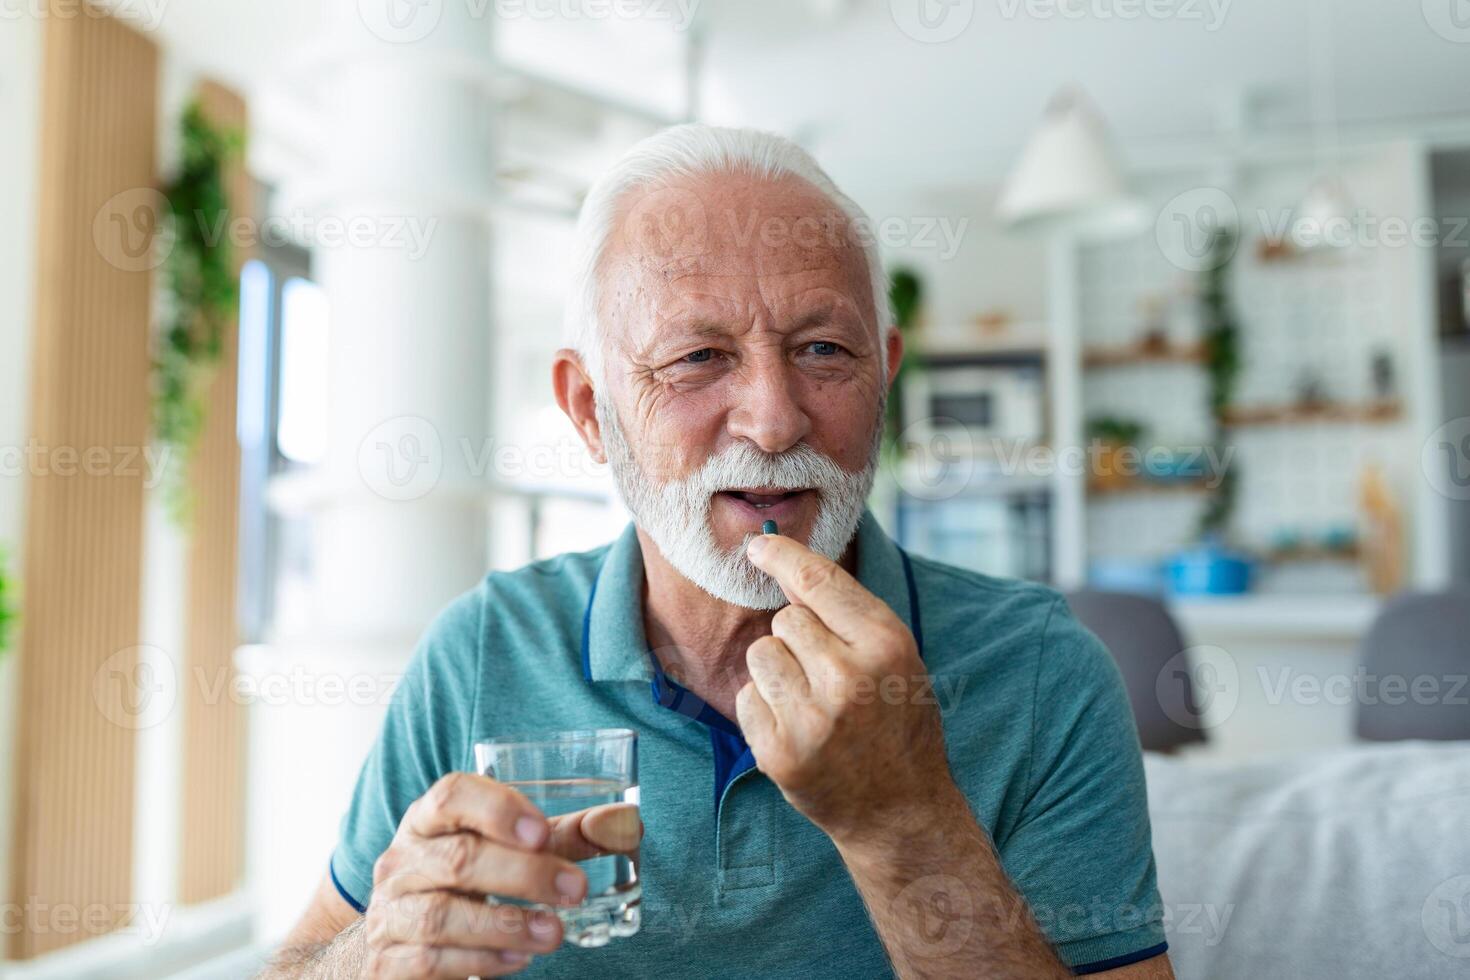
pixel 742 466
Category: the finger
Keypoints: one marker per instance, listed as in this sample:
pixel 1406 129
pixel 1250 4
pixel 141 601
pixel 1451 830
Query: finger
pixel 606 829
pixel 452 920
pixel 757 721
pixel 816 648
pixel 813 581
pixel 775 672
pixel 469 863
pixel 464 801
pixel 447 963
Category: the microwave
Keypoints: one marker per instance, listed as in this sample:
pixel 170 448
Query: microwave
pixel 991 404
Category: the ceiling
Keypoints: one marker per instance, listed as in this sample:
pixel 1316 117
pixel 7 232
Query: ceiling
pixel 887 101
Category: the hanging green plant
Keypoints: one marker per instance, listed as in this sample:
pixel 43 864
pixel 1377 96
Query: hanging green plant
pixel 905 295
pixel 8 613
pixel 203 296
pixel 1222 370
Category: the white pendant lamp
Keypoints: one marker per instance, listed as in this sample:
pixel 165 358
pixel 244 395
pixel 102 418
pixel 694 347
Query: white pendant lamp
pixel 1067 181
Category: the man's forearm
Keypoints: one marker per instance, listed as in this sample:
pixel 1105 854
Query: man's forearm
pixel 342 957
pixel 941 902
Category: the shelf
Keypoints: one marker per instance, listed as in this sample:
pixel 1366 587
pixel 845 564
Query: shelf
pixel 1383 410
pixel 1147 486
pixel 1311 553
pixel 971 344
pixel 1143 353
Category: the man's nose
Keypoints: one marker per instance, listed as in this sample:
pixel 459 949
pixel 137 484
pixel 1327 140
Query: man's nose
pixel 766 410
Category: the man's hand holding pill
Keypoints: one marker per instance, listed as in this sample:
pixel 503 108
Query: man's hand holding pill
pixel 831 711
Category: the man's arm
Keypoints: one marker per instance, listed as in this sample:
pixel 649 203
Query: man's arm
pixel 871 772
pixel 326 943
pixel 941 902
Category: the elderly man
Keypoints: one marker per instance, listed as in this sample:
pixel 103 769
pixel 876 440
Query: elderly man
pixel 854 761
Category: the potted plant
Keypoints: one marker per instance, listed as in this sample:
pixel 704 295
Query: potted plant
pixel 1112 435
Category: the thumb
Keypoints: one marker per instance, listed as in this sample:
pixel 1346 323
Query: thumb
pixel 612 827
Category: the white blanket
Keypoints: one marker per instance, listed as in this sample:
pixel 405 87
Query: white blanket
pixel 1348 864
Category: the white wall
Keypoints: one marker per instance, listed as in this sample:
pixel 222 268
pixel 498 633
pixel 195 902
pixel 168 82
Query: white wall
pixel 20 63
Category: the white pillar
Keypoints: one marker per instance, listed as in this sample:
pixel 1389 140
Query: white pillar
pixel 397 512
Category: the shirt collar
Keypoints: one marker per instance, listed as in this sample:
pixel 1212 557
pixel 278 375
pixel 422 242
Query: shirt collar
pixel 615 647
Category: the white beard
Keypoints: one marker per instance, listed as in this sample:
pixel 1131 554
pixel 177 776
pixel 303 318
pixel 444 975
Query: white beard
pixel 676 514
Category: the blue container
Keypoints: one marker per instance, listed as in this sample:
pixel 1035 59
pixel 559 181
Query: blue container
pixel 1209 570
pixel 1140 575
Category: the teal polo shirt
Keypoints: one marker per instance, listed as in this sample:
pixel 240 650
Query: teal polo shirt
pixel 736 883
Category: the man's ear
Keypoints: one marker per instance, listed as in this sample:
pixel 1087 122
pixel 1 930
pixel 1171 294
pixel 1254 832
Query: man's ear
pixel 578 398
pixel 895 353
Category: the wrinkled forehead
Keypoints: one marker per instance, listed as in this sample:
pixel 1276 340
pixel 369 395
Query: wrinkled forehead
pixel 694 231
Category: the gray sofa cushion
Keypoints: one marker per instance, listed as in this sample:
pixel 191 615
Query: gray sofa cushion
pixel 1353 863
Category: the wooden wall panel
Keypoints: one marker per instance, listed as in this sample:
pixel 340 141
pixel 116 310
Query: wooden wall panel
pixel 84 524
pixel 213 822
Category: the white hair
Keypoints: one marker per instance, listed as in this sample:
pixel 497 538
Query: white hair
pixel 693 150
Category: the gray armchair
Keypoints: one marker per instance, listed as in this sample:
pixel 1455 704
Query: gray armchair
pixel 1418 639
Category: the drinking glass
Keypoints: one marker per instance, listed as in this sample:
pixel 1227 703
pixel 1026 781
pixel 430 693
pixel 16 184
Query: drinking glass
pixel 564 772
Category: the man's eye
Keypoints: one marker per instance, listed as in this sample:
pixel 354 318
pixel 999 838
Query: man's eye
pixel 823 347
pixel 700 356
